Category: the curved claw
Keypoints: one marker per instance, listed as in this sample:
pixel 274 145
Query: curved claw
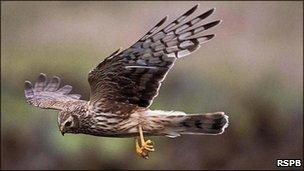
pixel 144 149
pixel 149 142
pixel 140 150
pixel 148 145
pixel 150 149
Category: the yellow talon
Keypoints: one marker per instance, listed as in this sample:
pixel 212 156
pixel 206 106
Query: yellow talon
pixel 146 146
pixel 141 151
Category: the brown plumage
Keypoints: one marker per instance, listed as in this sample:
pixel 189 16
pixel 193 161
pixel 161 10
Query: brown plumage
pixel 124 85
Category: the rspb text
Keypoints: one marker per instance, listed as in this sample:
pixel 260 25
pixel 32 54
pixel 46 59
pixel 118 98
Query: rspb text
pixel 289 163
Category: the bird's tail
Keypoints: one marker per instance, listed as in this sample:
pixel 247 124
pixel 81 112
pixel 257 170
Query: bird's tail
pixel 176 123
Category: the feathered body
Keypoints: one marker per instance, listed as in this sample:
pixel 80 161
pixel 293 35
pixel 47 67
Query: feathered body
pixel 154 123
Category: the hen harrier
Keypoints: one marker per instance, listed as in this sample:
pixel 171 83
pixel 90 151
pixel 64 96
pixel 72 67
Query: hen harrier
pixel 124 85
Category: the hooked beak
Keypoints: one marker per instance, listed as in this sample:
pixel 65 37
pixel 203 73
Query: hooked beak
pixel 62 130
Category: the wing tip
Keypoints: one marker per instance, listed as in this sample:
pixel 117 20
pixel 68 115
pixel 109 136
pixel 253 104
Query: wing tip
pixel 212 24
pixel 210 36
pixel 41 77
pixel 28 91
pixel 209 12
pixel 27 85
pixel 56 77
pixel 191 10
pixel 162 21
pixel 195 6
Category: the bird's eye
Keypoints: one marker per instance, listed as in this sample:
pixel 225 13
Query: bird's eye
pixel 68 123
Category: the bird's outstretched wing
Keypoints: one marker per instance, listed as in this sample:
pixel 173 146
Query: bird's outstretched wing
pixel 47 94
pixel 130 79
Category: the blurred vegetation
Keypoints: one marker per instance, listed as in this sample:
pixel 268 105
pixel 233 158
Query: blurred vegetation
pixel 253 70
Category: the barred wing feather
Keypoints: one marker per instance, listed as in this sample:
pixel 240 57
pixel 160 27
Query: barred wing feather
pixel 131 78
pixel 48 95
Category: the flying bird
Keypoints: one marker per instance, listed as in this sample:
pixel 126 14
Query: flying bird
pixel 124 85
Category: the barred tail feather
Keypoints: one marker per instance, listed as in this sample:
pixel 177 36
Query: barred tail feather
pixel 174 123
pixel 208 123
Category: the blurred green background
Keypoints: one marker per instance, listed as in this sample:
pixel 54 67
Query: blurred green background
pixel 253 70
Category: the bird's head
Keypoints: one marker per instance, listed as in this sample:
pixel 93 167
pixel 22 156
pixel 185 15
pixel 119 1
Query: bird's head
pixel 68 122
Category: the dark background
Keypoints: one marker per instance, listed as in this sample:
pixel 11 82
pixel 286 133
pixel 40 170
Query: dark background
pixel 253 70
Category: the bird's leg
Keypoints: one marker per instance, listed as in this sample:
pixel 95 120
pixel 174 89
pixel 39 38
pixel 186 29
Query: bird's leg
pixel 146 146
pixel 140 151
